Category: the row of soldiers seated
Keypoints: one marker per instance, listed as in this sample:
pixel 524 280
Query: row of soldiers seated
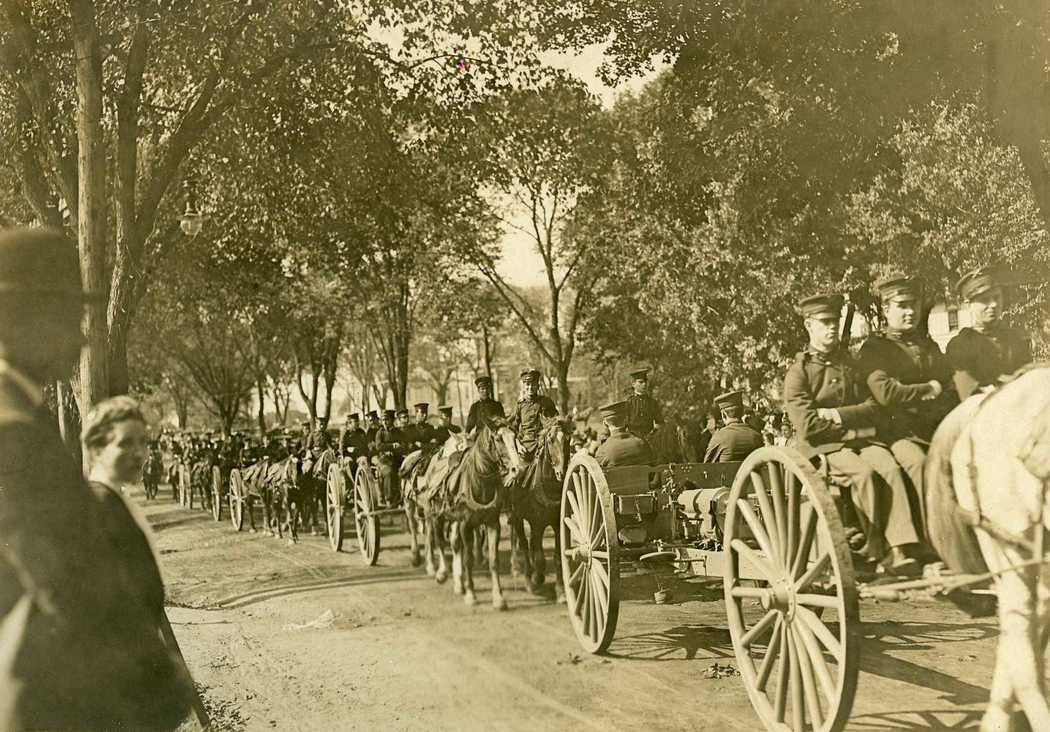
pixel 866 419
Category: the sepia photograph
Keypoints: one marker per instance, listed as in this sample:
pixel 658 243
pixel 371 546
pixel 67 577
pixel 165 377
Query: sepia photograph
pixel 617 365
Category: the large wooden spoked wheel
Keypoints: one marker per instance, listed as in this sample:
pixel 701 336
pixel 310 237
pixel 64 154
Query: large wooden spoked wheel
pixel 184 486
pixel 236 497
pixel 216 493
pixel 590 554
pixel 335 491
pixel 797 633
pixel 367 522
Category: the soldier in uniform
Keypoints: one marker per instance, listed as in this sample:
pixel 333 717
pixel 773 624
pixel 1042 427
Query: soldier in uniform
pixel 423 433
pixel 643 412
pixel 389 450
pixel 353 442
pixel 446 428
pixel 834 415
pixel 485 407
pixel 988 349
pixel 80 620
pixel 736 440
pixel 373 427
pixel 527 418
pixel 622 446
pixel 908 375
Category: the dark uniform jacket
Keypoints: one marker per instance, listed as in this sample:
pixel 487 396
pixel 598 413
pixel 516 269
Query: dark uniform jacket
pixel 356 440
pixel 623 448
pixel 643 413
pixel 897 370
pixel 419 433
pixel 815 380
pixel 484 409
pixel 442 433
pixel 527 420
pixel 384 445
pixel 732 443
pixel 979 359
pixel 90 655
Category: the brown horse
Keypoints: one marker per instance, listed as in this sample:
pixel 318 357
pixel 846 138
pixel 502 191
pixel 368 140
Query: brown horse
pixel 475 494
pixel 536 498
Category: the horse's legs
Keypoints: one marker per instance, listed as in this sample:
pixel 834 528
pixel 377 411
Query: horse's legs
pixel 436 526
pixel 427 527
pixel 248 507
pixel 469 537
pixel 292 499
pixel 519 548
pixel 539 566
pixel 480 558
pixel 498 602
pixel 457 557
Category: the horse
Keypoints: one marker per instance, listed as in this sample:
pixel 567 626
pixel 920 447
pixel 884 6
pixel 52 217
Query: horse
pixel 536 498
pixel 313 485
pixel 414 494
pixel 1000 474
pixel 475 494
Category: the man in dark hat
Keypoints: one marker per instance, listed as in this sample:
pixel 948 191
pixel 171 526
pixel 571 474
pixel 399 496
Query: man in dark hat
pixel 81 619
pixel 529 412
pixel 988 349
pixel 485 407
pixel 643 412
pixel 422 433
pixel 622 447
pixel 907 375
pixel 735 441
pixel 372 427
pixel 447 427
pixel 389 449
pixel 353 442
pixel 834 415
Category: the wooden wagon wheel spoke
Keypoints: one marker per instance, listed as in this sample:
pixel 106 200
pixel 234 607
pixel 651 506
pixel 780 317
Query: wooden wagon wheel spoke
pixel 599 601
pixel 769 519
pixel 816 659
pixel 798 712
pixel 818 568
pixel 760 627
pixel 783 672
pixel 814 600
pixel 574 530
pixel 755 559
pixel 793 510
pixel 820 630
pixel 757 529
pixel 809 686
pixel 804 547
pixel 751 593
pixel 574 578
pixel 601 573
pixel 580 493
pixel 776 490
pixel 772 652
pixel 599 554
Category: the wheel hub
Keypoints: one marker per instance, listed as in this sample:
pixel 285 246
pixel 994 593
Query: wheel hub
pixel 780 596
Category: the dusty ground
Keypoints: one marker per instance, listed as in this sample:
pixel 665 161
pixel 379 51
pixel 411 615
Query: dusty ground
pixel 302 638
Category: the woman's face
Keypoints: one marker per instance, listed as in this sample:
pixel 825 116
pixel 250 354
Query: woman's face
pixel 124 452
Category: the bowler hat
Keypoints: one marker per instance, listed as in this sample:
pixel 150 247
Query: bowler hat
pixel 976 282
pixel 817 305
pixel 39 262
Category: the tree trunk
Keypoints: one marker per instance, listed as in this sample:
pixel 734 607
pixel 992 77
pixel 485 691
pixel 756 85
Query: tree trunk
pixel 91 219
pixel 68 419
pixel 260 412
pixel 563 388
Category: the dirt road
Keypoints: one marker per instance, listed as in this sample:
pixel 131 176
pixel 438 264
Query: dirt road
pixel 301 638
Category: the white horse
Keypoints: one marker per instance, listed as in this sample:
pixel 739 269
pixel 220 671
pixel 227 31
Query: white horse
pixel 1000 470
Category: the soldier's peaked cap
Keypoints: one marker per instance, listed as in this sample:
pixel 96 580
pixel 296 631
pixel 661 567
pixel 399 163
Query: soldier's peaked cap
pixel 483 381
pixel 445 409
pixel 976 282
pixel 389 413
pixel 730 399
pixel 355 415
pixel 421 406
pixel 530 375
pixel 373 414
pixel 641 372
pixel 898 284
pixel 41 262
pixel 817 305
pixel 401 412
pixel 614 411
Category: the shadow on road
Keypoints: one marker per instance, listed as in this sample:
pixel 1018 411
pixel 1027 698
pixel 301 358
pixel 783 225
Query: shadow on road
pixel 919 719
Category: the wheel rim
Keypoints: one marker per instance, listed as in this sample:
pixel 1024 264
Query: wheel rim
pixel 590 555
pixel 236 497
pixel 216 494
pixel 796 633
pixel 334 500
pixel 367 524
pixel 184 486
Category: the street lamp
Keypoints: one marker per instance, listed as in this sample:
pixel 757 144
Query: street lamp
pixel 192 220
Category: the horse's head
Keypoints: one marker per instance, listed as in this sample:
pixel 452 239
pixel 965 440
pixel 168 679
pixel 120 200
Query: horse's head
pixel 497 444
pixel 555 438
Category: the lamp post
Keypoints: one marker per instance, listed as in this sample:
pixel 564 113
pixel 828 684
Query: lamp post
pixel 192 219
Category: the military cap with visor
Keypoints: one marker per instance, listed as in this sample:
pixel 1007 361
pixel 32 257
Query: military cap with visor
pixel 421 406
pixel 614 412
pixel 402 412
pixel 483 381
pixel 975 283
pixel 818 306
pixel 898 286
pixel 728 399
pixel 389 413
pixel 445 409
pixel 639 373
pixel 351 417
pixel 373 414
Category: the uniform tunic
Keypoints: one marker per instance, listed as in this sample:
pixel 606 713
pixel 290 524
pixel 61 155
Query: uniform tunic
pixel 643 414
pixel 979 359
pixel 732 443
pixel 877 487
pixel 484 409
pixel 527 419
pixel 389 448
pixel 624 448
pixel 353 443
